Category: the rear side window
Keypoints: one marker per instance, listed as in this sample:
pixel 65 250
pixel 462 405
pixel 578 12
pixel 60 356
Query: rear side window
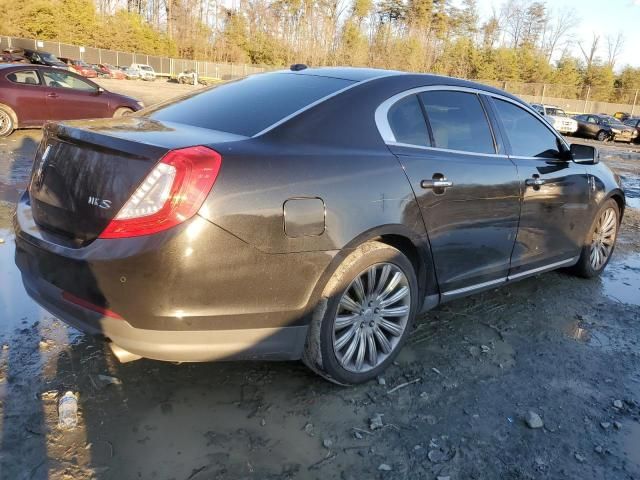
pixel 250 105
pixel 528 136
pixel 25 77
pixel 407 122
pixel 458 121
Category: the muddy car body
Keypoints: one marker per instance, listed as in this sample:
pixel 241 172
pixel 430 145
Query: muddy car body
pixel 314 227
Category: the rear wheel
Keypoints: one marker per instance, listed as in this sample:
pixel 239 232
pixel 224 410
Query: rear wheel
pixel 602 136
pixel 600 242
pixel 7 125
pixel 122 112
pixel 365 315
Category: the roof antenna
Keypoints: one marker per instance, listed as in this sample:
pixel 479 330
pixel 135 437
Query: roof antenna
pixel 296 67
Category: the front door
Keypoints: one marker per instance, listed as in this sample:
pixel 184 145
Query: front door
pixel 555 218
pixel 71 97
pixel 467 190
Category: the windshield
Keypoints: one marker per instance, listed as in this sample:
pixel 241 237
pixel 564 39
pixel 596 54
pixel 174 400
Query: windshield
pixel 614 122
pixel 49 57
pixel 556 112
pixel 146 67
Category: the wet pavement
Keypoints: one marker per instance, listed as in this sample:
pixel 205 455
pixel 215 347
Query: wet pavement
pixel 563 347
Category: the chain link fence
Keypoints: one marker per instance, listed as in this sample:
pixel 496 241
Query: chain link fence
pixel 574 99
pixel 164 66
pixel 571 98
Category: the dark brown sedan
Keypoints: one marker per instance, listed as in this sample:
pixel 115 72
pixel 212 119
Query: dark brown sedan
pixel 32 94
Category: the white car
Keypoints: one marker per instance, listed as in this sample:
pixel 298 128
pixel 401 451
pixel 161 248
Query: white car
pixel 146 72
pixel 557 118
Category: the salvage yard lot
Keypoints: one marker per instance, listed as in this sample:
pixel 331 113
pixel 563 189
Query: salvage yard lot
pixel 564 348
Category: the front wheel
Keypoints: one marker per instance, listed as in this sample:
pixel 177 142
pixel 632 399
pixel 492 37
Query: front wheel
pixel 600 242
pixel 365 315
pixel 602 136
pixel 7 125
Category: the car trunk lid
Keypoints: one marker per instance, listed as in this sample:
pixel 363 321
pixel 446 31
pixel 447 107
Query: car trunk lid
pixel 83 175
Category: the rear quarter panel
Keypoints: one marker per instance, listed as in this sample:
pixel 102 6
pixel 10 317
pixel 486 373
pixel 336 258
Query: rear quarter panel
pixel 332 151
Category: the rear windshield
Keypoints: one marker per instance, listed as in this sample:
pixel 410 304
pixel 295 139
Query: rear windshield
pixel 250 105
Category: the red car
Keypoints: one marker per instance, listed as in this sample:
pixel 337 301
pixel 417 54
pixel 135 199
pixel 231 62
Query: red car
pixel 32 94
pixel 112 71
pixel 81 67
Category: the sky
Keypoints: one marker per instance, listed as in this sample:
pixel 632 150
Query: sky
pixel 606 17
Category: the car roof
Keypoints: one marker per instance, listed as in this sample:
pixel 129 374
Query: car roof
pixel 357 74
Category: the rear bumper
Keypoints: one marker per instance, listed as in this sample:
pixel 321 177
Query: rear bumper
pixel 192 293
pixel 284 343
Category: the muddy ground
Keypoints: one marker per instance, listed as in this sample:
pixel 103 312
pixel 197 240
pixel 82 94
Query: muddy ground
pixel 562 347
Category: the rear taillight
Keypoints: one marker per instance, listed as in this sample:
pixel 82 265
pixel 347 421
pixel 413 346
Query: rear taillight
pixel 172 193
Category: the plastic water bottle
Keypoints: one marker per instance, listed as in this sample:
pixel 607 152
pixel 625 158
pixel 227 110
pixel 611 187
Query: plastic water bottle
pixel 68 411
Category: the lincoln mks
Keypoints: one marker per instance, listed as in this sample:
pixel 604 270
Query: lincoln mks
pixel 305 214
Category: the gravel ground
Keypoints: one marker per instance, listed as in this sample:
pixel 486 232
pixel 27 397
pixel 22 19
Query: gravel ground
pixel 564 348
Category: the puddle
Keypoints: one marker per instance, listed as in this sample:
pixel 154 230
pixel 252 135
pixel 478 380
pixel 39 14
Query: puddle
pixel 631 184
pixel 17 309
pixel 580 332
pixel 11 192
pixel 621 280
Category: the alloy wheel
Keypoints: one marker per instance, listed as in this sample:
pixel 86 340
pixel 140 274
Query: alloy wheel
pixel 5 122
pixel 604 237
pixel 372 316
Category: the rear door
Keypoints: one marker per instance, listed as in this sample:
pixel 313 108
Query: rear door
pixel 25 93
pixel 70 97
pixel 467 188
pixel 555 198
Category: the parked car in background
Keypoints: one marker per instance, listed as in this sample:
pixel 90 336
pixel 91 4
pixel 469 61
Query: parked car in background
pixel 622 116
pixel 557 118
pixel 32 94
pixel 130 73
pixel 13 55
pixel 309 214
pixel 111 71
pixel 80 67
pixel 146 72
pixel 634 122
pixel 603 128
pixel 44 58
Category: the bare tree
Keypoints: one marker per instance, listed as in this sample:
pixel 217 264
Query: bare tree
pixel 590 53
pixel 614 48
pixel 559 31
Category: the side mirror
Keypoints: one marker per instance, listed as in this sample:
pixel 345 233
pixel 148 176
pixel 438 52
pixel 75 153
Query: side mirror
pixel 100 90
pixel 584 154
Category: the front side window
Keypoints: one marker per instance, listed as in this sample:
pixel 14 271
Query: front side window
pixel 528 136
pixel 60 79
pixel 458 121
pixel 407 122
pixel 24 77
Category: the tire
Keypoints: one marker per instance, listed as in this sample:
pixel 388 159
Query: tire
pixel 602 136
pixel 122 112
pixel 7 122
pixel 604 243
pixel 363 322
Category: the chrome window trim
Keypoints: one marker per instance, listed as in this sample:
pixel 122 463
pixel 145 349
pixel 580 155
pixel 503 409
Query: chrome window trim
pixel 382 122
pixel 319 101
pixel 436 149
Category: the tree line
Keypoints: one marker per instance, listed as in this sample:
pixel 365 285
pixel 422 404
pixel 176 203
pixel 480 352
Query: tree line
pixel 527 41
